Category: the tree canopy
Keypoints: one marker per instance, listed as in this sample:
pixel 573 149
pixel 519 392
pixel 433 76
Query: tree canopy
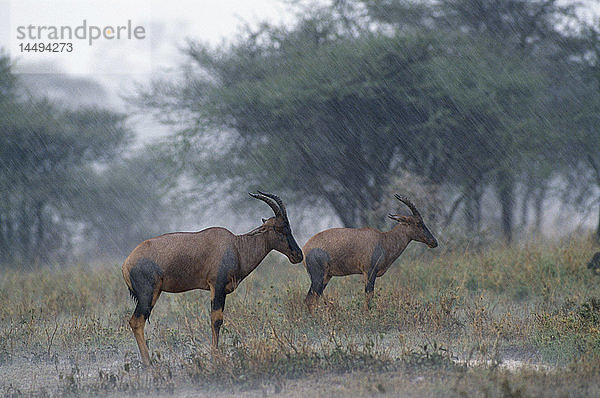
pixel 462 92
pixel 62 177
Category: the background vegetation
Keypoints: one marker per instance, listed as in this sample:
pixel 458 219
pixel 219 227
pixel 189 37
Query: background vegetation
pixel 484 111
pixel 481 99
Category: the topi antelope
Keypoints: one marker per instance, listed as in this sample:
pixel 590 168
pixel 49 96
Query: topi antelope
pixel 366 251
pixel 213 259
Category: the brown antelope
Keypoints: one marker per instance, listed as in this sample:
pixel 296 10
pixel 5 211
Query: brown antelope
pixel 213 259
pixel 366 251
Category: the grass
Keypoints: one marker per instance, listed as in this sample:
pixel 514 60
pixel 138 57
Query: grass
pixel 441 324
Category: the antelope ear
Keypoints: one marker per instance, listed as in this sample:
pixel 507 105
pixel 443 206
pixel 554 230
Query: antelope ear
pixel 400 219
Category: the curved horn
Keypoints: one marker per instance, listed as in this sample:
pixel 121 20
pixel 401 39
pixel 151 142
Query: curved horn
pixel 273 205
pixel 410 205
pixel 279 202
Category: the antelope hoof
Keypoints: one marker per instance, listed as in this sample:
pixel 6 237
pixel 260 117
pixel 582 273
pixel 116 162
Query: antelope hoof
pixel 311 301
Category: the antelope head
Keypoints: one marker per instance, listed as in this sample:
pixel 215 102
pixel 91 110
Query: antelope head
pixel 277 229
pixel 417 231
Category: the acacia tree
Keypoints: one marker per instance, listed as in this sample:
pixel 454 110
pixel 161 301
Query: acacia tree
pixel 507 61
pixel 313 110
pixel 580 115
pixel 590 122
pixel 46 154
pixel 490 119
pixel 330 109
pixel 125 203
pixel 63 176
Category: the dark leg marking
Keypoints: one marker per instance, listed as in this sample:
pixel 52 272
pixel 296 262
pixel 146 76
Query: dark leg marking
pixel 376 259
pixel 217 304
pixel 144 276
pixel 316 260
pixel 594 264
pixel 228 264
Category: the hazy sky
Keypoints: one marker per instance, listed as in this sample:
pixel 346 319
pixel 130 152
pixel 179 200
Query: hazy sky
pixel 118 64
pixel 166 25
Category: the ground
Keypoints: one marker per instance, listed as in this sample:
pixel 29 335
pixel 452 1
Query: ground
pixel 504 322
